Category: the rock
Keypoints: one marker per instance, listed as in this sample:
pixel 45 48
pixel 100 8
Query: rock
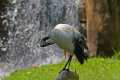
pixel 67 75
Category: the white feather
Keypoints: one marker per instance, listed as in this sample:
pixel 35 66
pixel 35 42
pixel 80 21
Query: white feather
pixel 63 35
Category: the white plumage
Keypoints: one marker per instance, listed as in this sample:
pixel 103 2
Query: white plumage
pixel 63 35
pixel 63 32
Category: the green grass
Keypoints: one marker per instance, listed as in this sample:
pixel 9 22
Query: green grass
pixel 93 69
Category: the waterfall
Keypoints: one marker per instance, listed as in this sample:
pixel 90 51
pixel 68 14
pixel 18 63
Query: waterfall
pixel 29 21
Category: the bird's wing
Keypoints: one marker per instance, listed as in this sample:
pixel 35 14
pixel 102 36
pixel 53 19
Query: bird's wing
pixel 79 46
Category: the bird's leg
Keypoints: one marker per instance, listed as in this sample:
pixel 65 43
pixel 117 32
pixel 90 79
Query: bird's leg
pixel 68 62
pixel 65 53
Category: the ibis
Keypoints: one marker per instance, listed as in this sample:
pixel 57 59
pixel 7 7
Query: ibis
pixel 68 38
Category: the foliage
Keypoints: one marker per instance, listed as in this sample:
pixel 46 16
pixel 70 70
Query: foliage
pixel 116 55
pixel 93 69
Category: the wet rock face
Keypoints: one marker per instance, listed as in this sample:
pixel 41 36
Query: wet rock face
pixel 29 21
pixel 3 30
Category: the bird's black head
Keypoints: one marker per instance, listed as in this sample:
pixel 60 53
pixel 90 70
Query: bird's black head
pixel 43 42
pixel 46 41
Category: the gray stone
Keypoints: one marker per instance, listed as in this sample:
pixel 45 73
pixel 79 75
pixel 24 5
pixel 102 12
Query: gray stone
pixel 67 75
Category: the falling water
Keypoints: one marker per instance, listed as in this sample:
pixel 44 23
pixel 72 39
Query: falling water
pixel 29 21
